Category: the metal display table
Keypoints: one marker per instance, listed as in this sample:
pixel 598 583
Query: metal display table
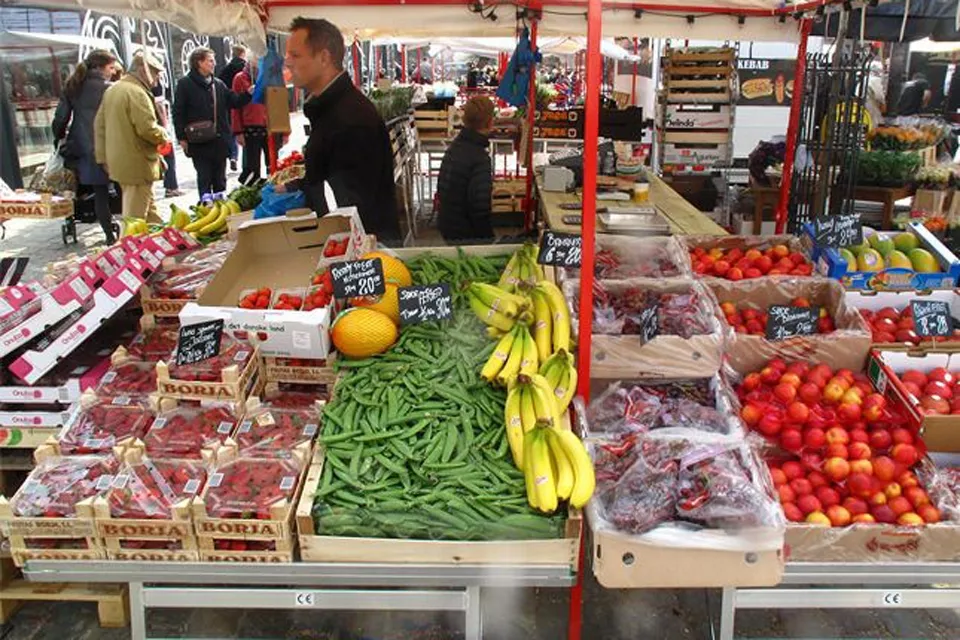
pixel 373 587
pixel 849 585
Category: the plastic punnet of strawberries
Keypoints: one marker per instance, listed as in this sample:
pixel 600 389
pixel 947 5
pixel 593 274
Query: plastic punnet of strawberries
pixel 335 248
pixel 133 378
pixel 102 426
pixel 149 489
pixel 182 281
pixel 184 431
pixel 233 352
pixel 154 344
pixel 292 396
pixel 56 485
pixel 248 487
pixel 271 432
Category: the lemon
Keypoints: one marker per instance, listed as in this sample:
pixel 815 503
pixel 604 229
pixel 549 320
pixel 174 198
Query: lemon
pixel 361 333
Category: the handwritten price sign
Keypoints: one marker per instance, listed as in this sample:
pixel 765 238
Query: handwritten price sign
pixel 931 317
pixel 358 278
pixel 785 322
pixel 426 303
pixel 560 249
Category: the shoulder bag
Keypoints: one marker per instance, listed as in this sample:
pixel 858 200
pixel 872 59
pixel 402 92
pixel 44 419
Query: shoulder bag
pixel 203 131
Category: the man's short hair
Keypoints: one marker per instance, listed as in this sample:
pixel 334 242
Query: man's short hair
pixel 239 51
pixel 477 113
pixel 198 55
pixel 322 35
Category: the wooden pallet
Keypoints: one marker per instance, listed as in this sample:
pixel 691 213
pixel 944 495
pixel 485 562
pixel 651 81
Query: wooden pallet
pixel 696 137
pixel 508 195
pixel 713 97
pixel 433 124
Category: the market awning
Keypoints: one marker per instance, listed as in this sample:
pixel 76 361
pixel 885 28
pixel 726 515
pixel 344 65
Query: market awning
pixel 50 40
pixel 934 19
pixel 493 46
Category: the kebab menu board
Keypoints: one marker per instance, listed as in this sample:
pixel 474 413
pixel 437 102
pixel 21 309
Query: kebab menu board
pixel 765 82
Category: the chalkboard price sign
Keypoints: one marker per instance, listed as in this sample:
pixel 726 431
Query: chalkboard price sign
pixel 198 342
pixel 931 317
pixel 785 321
pixel 650 322
pixel 560 249
pixel 358 278
pixel 838 231
pixel 426 303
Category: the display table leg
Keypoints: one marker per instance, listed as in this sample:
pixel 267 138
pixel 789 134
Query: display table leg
pixel 138 615
pixel 473 630
pixel 728 612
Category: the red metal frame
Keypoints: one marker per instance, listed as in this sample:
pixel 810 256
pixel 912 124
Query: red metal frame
pixel 793 128
pixel 531 107
pixel 356 63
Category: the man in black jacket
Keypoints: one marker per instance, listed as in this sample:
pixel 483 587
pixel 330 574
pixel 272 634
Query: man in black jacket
pixel 201 98
pixel 349 146
pixel 465 184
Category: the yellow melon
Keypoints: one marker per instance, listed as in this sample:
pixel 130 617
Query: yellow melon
pixel 388 303
pixel 361 333
pixel 393 268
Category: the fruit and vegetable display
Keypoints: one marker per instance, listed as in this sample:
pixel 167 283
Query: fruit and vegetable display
pixel 233 353
pixel 103 423
pixel 743 264
pixel 889 325
pixel 185 430
pixel 154 343
pixel 887 168
pixel 269 432
pixel 746 318
pixel 205 222
pixel 249 488
pixel 247 196
pixel 852 454
pixel 57 484
pixel 937 177
pixel 620 257
pixel 182 281
pixel 880 250
pixel 904 137
pixel 150 488
pixel 937 392
pixel 131 378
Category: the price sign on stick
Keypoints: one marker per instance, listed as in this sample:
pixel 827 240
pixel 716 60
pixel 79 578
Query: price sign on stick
pixel 560 249
pixel 425 303
pixel 931 317
pixel 358 278
pixel 198 342
pixel 785 321
pixel 650 322
pixel 838 231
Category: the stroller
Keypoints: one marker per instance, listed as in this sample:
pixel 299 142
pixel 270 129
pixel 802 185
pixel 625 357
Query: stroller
pixel 83 211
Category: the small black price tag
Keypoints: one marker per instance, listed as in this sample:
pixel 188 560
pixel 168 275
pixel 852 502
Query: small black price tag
pixel 560 249
pixel 838 231
pixel 358 278
pixel 650 322
pixel 198 342
pixel 931 317
pixel 425 303
pixel 785 321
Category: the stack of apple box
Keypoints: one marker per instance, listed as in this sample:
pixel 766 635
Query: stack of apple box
pixel 898 334
pixel 846 343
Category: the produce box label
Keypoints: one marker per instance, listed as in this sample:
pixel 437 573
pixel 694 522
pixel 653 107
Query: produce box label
pixel 358 278
pixel 425 303
pixel 838 231
pixel 144 529
pixel 931 317
pixel 650 322
pixel 198 342
pixel 785 321
pixel 560 249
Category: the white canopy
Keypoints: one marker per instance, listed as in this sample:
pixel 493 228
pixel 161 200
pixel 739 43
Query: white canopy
pixel 492 46
pixel 50 40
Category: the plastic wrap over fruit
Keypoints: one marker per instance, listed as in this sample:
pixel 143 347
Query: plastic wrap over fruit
pixel 151 488
pixel 214 253
pixel 155 343
pixel 182 281
pixel 183 432
pixel 622 257
pixel 129 378
pixel 704 404
pixel 249 487
pixel 684 489
pixel 233 352
pixel 56 485
pixel 100 426
pixel 274 433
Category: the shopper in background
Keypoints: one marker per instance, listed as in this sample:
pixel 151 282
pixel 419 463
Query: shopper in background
pixel 250 128
pixel 226 75
pixel 876 102
pixel 465 184
pixel 914 96
pixel 201 120
pixel 348 147
pixel 73 124
pixel 128 133
pixel 170 184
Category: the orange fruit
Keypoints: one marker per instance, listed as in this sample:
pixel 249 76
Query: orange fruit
pixel 388 303
pixel 394 271
pixel 361 333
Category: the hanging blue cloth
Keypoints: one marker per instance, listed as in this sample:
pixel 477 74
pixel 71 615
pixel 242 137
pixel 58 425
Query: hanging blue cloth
pixel 515 85
pixel 270 74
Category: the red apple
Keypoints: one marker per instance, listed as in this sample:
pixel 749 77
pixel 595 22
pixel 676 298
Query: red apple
pixel 884 468
pixel 900 505
pixel 801 486
pixel 940 375
pixel 907 335
pixel 808 504
pixel 818 518
pixel 860 485
pixel 751 414
pixel 837 469
pixel 861 466
pixel 856 506
pixel 798 412
pixel 916 377
pixel 880 440
pixel 751 382
pixel 839 517
pixel 901 436
pixel 837 450
pixel 848 412
pixel 883 513
pixel 892 490
pixel 913 389
pixel 817 479
pixel 859 435
pixel 938 388
pixel 905 454
pixel 785 392
pixel 863 518
pixel 792 379
pixel 917 497
pixel 791 439
pixel 889 313
pixel 809 393
pixel 778 476
pixel 792 512
pixel 827 496
pixel 837 435
pixel 910 519
pixel 929 513
pixel 770 424
pixel 792 469
pixel 859 451
pixel 935 404
pixel 814 438
pixel 786 494
pixel 833 392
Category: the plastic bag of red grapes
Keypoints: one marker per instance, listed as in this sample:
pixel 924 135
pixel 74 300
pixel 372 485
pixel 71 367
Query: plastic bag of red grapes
pixel 248 487
pixel 57 484
pixel 626 407
pixel 183 432
pixel 131 378
pixel 233 352
pixel 152 487
pixel 101 426
pixel 270 432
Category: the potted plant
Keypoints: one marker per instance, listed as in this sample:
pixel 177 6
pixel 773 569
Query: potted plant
pixel 932 184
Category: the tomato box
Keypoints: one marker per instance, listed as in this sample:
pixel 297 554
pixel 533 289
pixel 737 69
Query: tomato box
pixel 102 424
pixel 300 370
pixel 272 432
pixel 192 431
pixel 227 377
pixel 830 264
pixel 145 514
pixel 889 316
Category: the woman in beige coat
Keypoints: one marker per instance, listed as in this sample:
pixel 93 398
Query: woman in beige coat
pixel 128 133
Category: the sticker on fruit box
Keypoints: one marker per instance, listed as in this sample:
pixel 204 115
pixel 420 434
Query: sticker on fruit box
pixel 192 486
pixel 121 401
pixel 355 278
pixel 104 482
pixel 931 318
pixel 266 419
pixel 288 483
pixel 159 423
pixel 245 426
pixel 560 249
pixel 425 303
pixel 784 321
pixel 121 481
pixel 216 480
pixel 310 430
pixel 163 244
pixel 224 428
pixel 199 342
pixel 241 356
pixel 80 288
pixel 129 280
pixel 5 308
pixel 109 377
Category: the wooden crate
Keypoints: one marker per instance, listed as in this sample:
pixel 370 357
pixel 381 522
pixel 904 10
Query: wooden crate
pixel 433 124
pixel 508 195
pixel 160 307
pixel 319 548
pixel 299 371
pixel 696 137
pixel 234 385
pixel 47 206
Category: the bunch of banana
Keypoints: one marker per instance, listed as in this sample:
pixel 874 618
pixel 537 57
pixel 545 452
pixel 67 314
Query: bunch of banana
pixel 522 270
pixel 498 308
pixel 179 218
pixel 515 354
pixel 556 467
pixel 135 227
pixel 551 318
pixel 560 372
pixel 211 222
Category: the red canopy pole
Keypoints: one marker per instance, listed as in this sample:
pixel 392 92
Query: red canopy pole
pixel 531 107
pixel 591 128
pixel 403 63
pixel 793 128
pixel 636 68
pixel 272 152
pixel 356 63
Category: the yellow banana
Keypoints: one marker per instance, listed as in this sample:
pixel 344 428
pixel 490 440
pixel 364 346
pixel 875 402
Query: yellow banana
pixel 499 356
pixel 216 225
pixel 512 366
pixel 487 315
pixel 496 334
pixel 528 477
pixel 542 324
pixel 584 479
pixel 535 271
pixel 571 379
pixel 514 426
pixel 544 401
pixel 508 279
pixel 530 362
pixel 205 219
pixel 528 415
pixel 496 299
pixel 560 312
pixel 565 476
pixel 544 484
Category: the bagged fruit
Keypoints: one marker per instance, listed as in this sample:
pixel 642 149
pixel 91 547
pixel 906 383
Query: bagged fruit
pixel 57 484
pixel 183 432
pixel 182 281
pixel 624 257
pixel 150 488
pixel 101 424
pixel 249 487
